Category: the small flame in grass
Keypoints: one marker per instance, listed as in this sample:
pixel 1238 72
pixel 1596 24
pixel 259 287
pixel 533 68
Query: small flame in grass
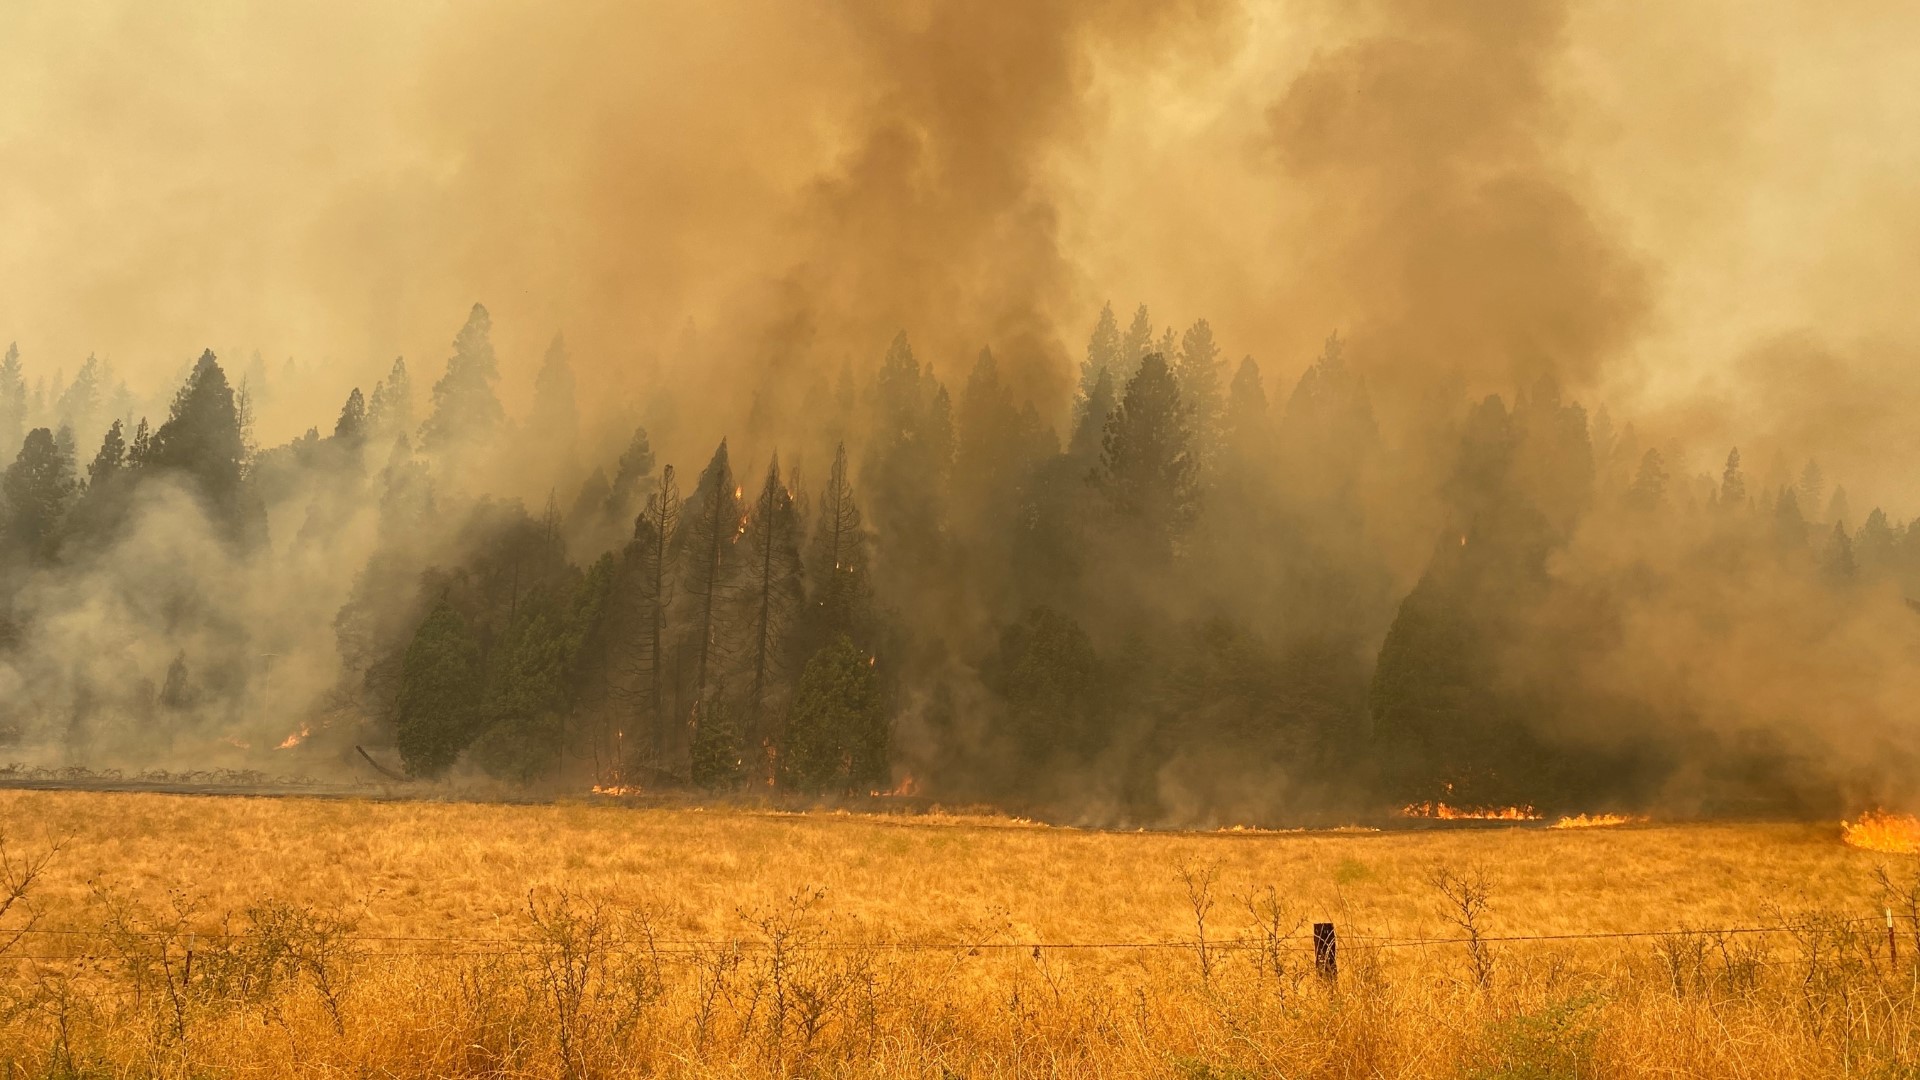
pixel 1440 811
pixel 615 789
pixel 907 786
pixel 295 739
pixel 1596 821
pixel 236 741
pixel 1878 830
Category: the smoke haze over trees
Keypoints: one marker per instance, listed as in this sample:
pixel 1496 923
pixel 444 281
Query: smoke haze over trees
pixel 810 431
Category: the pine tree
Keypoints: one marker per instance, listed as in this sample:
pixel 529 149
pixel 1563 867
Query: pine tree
pixel 990 444
pixel 13 401
pixel 1248 429
pixel 1733 483
pixel 352 425
pixel 201 439
pixel 906 471
pixel 1147 466
pixel 1837 561
pixel 651 570
pixel 1876 544
pixel 110 460
pixel 717 755
pixel 1103 355
pixel 838 563
pixel 631 479
pixel 709 527
pixel 773 592
pixel 556 406
pixel 390 410
pixel 1813 487
pixel 466 412
pixel 1198 374
pixel 1837 509
pixel 1084 446
pixel 1789 524
pixel 39 486
pixel 80 403
pixel 1137 343
pixel 437 712
pixel 1649 481
pixel 837 735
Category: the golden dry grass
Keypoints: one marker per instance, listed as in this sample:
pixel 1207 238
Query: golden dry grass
pixel 725 942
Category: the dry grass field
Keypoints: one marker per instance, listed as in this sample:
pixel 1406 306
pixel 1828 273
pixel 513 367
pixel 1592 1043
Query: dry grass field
pixel 183 936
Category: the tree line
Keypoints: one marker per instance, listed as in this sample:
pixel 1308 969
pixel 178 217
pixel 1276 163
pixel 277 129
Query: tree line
pixel 1189 602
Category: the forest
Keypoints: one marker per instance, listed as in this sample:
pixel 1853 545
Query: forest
pixel 1203 596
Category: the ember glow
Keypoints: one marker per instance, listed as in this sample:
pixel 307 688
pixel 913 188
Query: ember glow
pixel 1877 830
pixel 1596 821
pixel 1440 811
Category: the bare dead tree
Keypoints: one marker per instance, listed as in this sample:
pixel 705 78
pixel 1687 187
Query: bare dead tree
pixel 1465 898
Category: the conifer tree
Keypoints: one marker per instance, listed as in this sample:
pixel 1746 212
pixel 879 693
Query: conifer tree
pixel 1649 481
pixel 390 410
pixel 838 561
pixel 717 754
pixel 1198 374
pixel 1733 483
pixel 351 427
pixel 466 411
pixel 710 525
pixel 1813 488
pixel 1247 422
pixel 1147 467
pixel 202 440
pixel 39 486
pixel 836 741
pixel 631 479
pixel 651 569
pixel 1876 544
pixel 1837 561
pixel 1103 355
pixel 1084 446
pixel 556 406
pixel 13 401
pixel 1789 524
pixel 110 460
pixel 1137 343
pixel 773 593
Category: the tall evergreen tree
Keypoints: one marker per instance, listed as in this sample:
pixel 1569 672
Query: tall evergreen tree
pixel 631 479
pixel 13 401
pixel 773 592
pixel 1649 481
pixel 202 440
pixel 39 486
pixel 1084 445
pixel 1733 483
pixel 838 561
pixel 1147 467
pixel 1813 488
pixel 556 406
pixel 651 571
pixel 1199 376
pixel 1248 426
pixel 1103 355
pixel 351 427
pixel 710 525
pixel 466 411
pixel 390 410
pixel 1137 343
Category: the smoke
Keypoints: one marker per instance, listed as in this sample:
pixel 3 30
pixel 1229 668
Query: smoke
pixel 1695 217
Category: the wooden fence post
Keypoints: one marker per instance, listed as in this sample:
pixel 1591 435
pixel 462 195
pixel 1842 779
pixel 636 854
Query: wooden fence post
pixel 1326 955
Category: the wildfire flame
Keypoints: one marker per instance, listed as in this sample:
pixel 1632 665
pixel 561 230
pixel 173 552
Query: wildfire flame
pixel 1440 811
pixel 295 739
pixel 907 786
pixel 615 789
pixel 1878 830
pixel 1596 821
